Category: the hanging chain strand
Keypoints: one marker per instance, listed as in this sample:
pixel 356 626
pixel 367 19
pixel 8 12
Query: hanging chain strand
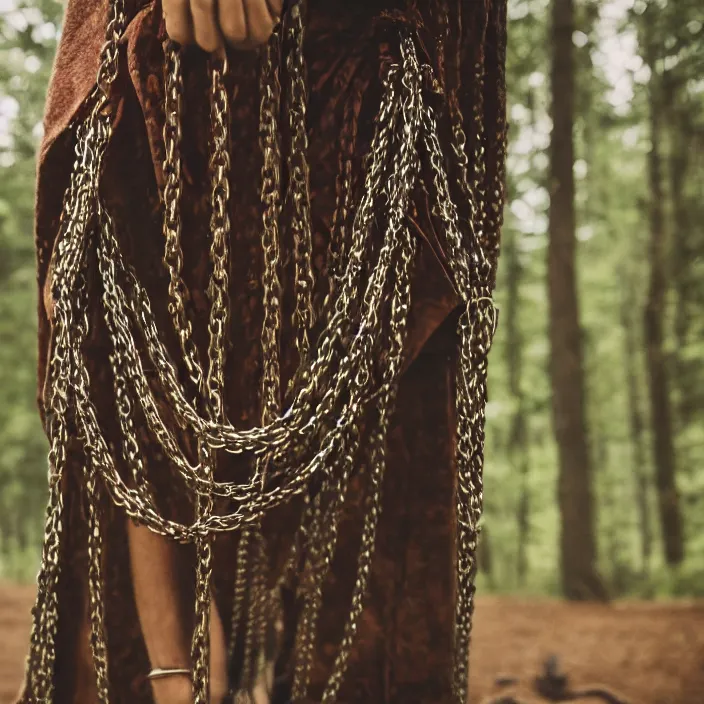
pixel 402 182
pixel 322 531
pixel 344 193
pixel 299 181
pixel 96 605
pixel 173 253
pixel 214 401
pixel 254 549
pixel 476 329
pixel 475 332
pixel 92 139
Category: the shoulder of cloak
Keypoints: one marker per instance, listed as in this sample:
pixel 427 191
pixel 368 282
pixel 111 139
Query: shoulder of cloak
pixel 75 66
pixel 76 63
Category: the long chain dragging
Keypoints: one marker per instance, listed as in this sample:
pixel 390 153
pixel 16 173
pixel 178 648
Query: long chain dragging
pixel 343 396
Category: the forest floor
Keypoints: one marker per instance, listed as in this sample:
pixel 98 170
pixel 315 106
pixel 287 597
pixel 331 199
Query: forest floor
pixel 647 653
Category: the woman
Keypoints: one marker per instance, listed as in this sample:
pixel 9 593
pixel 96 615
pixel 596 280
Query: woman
pixel 170 170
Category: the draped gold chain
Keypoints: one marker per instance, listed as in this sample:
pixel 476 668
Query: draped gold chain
pixel 342 397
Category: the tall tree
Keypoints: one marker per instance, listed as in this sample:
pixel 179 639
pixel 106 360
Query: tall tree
pixel 635 414
pixel 518 450
pixel 683 255
pixel 580 579
pixel 660 402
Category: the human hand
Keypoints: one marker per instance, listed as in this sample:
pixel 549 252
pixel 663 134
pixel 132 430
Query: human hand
pixel 214 23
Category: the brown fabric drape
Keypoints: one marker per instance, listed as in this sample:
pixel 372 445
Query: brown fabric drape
pixel 403 652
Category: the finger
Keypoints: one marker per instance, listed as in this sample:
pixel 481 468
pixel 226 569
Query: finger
pixel 177 15
pixel 259 20
pixel 205 26
pixel 233 21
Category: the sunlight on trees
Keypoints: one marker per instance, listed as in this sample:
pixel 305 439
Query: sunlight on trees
pixel 638 137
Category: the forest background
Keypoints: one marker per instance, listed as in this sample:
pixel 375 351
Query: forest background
pixel 595 450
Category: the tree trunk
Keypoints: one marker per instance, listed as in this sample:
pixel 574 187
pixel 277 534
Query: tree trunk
pixel 485 558
pixel 661 412
pixel 636 422
pixel 517 443
pixel 683 255
pixel 610 503
pixel 577 544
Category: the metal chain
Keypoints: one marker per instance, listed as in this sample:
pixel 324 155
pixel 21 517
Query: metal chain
pixel 223 436
pixel 353 369
pixel 344 193
pixel 256 617
pixel 92 139
pixel 218 290
pixel 270 144
pixel 321 548
pixel 200 645
pixel 214 401
pixel 252 563
pixel 173 253
pixel 476 330
pixel 323 531
pixel 151 328
pixel 376 465
pixel 299 180
pixel 96 605
pixel 317 463
pixel 400 304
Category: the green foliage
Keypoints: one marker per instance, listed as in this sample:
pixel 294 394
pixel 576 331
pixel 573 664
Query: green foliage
pixel 612 142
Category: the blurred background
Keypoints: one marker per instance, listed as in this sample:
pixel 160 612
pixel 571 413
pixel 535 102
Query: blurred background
pixel 595 449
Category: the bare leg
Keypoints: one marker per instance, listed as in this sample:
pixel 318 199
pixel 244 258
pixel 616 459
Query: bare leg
pixel 165 627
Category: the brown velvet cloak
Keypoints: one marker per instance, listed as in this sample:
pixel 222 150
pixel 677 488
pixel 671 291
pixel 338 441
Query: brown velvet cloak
pixel 404 644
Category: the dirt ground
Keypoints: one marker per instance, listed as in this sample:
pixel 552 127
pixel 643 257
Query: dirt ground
pixel 646 653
